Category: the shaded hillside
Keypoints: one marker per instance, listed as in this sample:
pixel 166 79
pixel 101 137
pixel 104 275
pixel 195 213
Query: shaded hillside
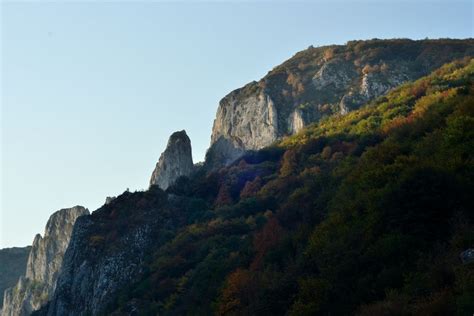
pixel 13 264
pixel 37 283
pixel 364 213
pixel 317 83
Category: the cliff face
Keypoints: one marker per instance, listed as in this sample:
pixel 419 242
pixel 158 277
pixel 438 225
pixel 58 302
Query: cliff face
pixel 13 265
pixel 107 252
pixel 317 83
pixel 44 262
pixel 174 162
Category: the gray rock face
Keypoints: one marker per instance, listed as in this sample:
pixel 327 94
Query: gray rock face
pixel 336 74
pixel 174 162
pixel 249 121
pixel 98 264
pixel 86 284
pixel 296 121
pixel 316 83
pixel 44 263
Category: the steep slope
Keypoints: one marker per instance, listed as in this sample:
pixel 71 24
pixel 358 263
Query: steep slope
pixel 363 213
pixel 319 82
pixel 44 262
pixel 174 162
pixel 13 263
pixel 109 249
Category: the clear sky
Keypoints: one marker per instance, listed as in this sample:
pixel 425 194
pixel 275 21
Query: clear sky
pixel 91 90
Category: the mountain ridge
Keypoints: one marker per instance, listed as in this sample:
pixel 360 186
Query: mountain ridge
pixel 316 83
pixel 252 227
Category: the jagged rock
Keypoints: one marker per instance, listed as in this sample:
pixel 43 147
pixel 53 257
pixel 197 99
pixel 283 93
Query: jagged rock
pixel 109 199
pixel 336 73
pixel 247 121
pixel 174 162
pixel 377 83
pixel 96 267
pixel 44 262
pixel 296 122
pixel 260 113
pixel 224 151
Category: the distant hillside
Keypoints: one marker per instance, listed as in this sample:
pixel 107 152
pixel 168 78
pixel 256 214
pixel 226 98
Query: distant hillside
pixel 365 213
pixel 12 265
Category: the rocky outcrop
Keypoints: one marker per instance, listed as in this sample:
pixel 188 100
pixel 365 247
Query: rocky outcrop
pixel 86 284
pixel 13 265
pixel 296 121
pixel 44 262
pixel 246 119
pixel 107 252
pixel 335 74
pixel 319 82
pixel 109 199
pixel 174 162
pixel 252 119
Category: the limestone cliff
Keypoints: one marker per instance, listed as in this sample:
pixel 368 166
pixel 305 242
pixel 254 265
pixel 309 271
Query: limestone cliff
pixel 107 251
pixel 44 262
pixel 174 162
pixel 319 82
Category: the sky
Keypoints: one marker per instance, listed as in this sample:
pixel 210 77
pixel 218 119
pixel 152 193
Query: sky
pixel 91 90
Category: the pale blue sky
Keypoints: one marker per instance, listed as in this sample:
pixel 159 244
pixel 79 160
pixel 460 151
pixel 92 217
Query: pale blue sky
pixel 92 90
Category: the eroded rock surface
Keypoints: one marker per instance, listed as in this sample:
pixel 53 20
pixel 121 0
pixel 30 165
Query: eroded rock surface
pixel 174 162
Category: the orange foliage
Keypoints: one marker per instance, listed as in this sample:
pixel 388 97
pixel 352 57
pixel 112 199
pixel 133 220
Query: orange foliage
pixel 223 197
pixel 289 163
pixel 328 54
pixel 238 291
pixel 264 240
pixel 251 188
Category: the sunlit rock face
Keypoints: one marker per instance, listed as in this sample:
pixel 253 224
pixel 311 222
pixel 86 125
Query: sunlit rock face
pixel 252 119
pixel 296 121
pixel 44 263
pixel 174 162
pixel 316 83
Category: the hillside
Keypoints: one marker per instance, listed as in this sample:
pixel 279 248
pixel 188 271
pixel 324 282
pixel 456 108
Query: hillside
pixel 319 82
pixel 13 263
pixel 365 213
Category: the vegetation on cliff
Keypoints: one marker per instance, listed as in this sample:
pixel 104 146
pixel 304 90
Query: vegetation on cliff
pixel 317 83
pixel 365 214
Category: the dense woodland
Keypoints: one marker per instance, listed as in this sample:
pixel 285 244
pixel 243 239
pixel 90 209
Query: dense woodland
pixel 363 214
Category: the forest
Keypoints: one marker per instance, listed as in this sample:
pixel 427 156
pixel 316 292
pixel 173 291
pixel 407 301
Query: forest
pixel 365 213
